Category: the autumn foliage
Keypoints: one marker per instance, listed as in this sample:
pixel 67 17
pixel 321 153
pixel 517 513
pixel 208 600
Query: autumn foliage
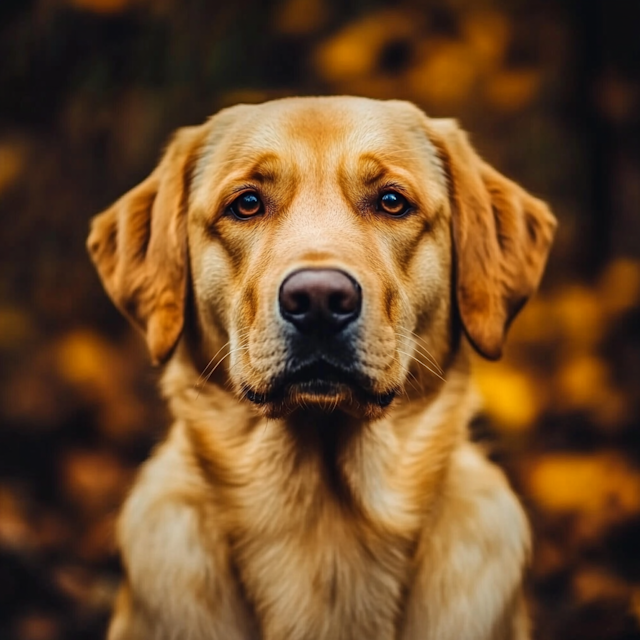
pixel 89 92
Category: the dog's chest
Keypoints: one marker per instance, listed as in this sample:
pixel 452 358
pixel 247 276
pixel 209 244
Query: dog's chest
pixel 323 581
pixel 312 567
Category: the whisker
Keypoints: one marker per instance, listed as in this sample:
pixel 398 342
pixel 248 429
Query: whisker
pixel 202 374
pixel 419 388
pixel 424 350
pixel 413 357
pixel 241 338
pixel 414 383
pixel 206 379
pixel 423 345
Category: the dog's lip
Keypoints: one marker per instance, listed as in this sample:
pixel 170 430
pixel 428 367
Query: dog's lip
pixel 322 378
pixel 322 374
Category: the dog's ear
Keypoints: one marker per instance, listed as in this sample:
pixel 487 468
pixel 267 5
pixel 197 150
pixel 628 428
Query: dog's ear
pixel 139 247
pixel 501 234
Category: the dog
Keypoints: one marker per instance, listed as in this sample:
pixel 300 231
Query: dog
pixel 313 274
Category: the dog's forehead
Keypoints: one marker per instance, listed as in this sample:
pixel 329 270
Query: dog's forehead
pixel 325 128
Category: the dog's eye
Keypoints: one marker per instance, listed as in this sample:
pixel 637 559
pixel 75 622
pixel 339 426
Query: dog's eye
pixel 247 205
pixel 393 203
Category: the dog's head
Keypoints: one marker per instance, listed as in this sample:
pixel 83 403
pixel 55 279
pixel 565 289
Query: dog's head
pixel 328 249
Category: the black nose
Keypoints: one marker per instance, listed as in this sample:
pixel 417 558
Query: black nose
pixel 320 300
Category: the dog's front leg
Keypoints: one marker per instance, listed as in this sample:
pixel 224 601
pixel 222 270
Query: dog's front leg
pixel 133 620
pixel 468 584
pixel 180 582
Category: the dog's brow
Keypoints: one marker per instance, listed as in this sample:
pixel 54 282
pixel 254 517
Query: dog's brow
pixel 264 168
pixel 371 169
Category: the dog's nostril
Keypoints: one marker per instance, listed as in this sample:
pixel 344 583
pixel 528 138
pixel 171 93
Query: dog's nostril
pixel 341 302
pixel 324 300
pixel 301 303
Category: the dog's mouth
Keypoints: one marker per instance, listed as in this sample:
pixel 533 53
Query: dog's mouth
pixel 322 383
pixel 320 378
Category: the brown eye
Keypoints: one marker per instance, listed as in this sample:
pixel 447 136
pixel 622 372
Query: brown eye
pixel 393 203
pixel 247 205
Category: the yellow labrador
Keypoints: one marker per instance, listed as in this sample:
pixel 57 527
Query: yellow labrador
pixel 312 271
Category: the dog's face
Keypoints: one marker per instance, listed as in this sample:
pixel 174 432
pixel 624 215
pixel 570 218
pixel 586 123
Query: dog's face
pixel 319 240
pixel 331 244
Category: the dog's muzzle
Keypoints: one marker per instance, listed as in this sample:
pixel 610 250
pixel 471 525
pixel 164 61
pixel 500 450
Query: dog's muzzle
pixel 320 308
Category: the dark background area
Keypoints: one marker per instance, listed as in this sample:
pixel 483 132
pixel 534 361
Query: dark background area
pixel 90 91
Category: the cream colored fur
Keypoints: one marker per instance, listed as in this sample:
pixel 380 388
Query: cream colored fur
pixel 324 519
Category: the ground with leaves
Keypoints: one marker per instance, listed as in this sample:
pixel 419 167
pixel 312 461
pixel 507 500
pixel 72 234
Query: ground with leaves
pixel 89 92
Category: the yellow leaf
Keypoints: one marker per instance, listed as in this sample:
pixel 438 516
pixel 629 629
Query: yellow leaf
pixel 301 17
pixel 584 383
pixel 579 312
pixel 510 397
pixel 15 532
pixel 447 73
pixel 354 51
pixel 12 162
pixel 513 90
pixel 593 584
pixel 489 33
pixel 619 285
pixel 591 483
pixel 579 379
pixel 84 357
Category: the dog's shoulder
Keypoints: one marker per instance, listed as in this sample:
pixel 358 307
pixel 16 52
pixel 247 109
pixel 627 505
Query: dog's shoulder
pixel 174 554
pixel 472 559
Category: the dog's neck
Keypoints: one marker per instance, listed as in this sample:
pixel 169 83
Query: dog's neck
pixel 327 450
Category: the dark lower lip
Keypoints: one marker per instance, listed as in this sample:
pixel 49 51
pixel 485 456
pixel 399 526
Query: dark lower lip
pixel 319 387
pixel 323 380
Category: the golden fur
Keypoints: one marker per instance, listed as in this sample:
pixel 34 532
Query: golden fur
pixel 321 515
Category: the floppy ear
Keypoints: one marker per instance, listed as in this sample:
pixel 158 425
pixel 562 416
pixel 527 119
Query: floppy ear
pixel 139 247
pixel 501 236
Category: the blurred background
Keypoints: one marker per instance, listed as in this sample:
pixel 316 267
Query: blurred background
pixel 89 92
